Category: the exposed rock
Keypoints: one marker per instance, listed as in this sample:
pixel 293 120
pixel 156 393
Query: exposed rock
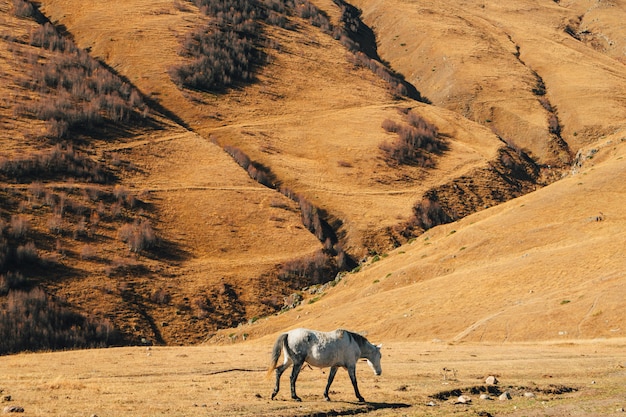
pixel 505 396
pixel 491 380
pixel 13 409
pixel 463 399
pixel 485 397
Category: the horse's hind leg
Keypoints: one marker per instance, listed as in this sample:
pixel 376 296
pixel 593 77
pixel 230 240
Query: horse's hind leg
pixel 331 376
pixel 297 366
pixel 279 373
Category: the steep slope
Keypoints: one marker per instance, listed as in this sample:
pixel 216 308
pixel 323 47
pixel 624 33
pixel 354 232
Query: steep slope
pixel 157 172
pixel 314 117
pixel 314 125
pixel 530 70
pixel 546 266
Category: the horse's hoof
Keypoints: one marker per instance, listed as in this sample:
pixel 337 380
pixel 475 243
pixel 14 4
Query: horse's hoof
pixel 361 399
pixel 298 399
pixel 326 398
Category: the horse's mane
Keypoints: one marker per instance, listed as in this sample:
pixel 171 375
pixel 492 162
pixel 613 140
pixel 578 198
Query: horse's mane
pixel 359 339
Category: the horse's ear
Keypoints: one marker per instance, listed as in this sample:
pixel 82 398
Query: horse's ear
pixel 379 346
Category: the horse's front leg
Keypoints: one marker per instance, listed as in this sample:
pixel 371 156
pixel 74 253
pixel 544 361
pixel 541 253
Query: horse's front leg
pixel 331 376
pixel 352 373
pixel 297 366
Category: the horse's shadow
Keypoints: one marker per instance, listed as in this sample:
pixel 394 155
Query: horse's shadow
pixel 369 406
pixel 383 406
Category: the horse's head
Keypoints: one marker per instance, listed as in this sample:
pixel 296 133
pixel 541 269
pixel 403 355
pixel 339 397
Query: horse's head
pixel 373 359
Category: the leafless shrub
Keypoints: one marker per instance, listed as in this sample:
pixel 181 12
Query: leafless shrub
pixel 277 19
pixel 428 213
pixel 238 155
pixel 87 252
pixel 11 281
pixel 204 306
pixel 314 269
pixel 390 126
pixel 92 193
pixel 553 124
pixel 344 164
pixel 161 296
pixel 32 321
pixel 138 236
pixel 76 91
pixel 256 171
pixel 181 6
pixel 55 223
pixel 120 192
pixel 59 161
pixel 116 209
pixel 120 265
pixel 22 8
pixel 19 226
pixel 27 253
pixel 224 53
pixel 545 103
pixel 36 189
pixel 47 37
pixel 217 60
pixel 416 143
pixel 280 203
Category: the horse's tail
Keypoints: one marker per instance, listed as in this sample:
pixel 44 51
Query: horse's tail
pixel 278 347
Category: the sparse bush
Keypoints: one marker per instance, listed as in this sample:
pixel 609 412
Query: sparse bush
pixel 87 252
pixel 120 192
pixel 223 53
pixel 416 143
pixel 314 269
pixel 12 281
pixel 55 223
pixel 390 126
pixel 75 90
pixel 553 124
pixel 19 226
pixel 428 213
pixel 255 170
pixel 31 320
pixel 311 217
pixel 27 253
pixel 80 229
pixel 238 155
pixel 161 296
pixel 344 164
pixel 138 236
pixel 22 8
pixel 59 161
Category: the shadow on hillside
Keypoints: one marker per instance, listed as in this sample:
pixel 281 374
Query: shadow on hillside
pixel 365 38
pixel 168 251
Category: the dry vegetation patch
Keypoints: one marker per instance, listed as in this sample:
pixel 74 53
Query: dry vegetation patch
pixel 189 241
pixel 566 379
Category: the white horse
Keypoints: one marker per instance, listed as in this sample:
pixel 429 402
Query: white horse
pixel 339 348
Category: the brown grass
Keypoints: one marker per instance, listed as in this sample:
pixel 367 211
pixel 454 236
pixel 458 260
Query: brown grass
pixel 230 381
pixel 319 131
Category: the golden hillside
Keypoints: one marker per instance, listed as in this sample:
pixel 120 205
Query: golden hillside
pixel 527 102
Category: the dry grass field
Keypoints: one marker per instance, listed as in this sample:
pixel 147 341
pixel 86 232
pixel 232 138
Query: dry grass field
pixel 418 379
pixel 526 280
